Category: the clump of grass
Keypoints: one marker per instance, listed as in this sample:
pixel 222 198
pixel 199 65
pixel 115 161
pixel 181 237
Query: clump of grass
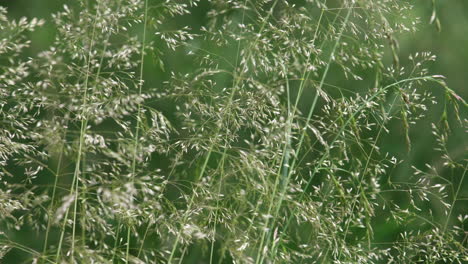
pixel 258 136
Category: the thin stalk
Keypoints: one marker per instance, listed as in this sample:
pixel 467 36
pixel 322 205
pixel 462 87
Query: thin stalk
pixel 225 149
pixel 80 148
pixel 137 130
pixel 143 240
pixel 455 199
pixel 217 206
pixel 54 190
pixel 127 249
pixel 119 226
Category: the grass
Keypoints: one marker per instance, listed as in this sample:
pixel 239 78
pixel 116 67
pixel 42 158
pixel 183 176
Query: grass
pixel 228 132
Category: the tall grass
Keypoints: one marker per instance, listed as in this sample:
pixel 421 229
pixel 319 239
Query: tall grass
pixel 227 132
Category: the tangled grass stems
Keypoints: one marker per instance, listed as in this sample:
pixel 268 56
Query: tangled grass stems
pixel 237 80
pixel 75 181
pixel 309 116
pixel 260 136
pixel 324 156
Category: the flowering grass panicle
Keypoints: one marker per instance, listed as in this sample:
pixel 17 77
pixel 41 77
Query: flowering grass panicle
pixel 226 132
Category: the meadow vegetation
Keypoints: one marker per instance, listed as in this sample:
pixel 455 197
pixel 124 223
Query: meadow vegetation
pixel 238 131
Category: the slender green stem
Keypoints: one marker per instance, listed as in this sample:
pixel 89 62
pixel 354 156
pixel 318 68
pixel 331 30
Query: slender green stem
pixel 76 173
pixel 137 130
pixel 143 240
pixel 52 203
pixel 114 252
pixel 455 199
